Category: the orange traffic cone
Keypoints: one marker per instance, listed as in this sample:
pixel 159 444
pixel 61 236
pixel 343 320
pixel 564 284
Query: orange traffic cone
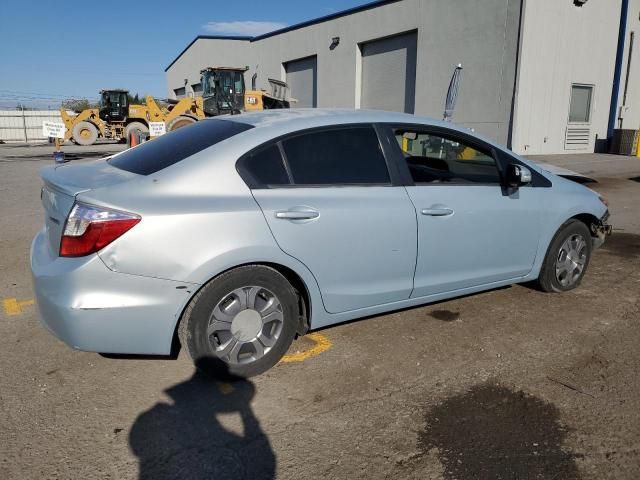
pixel 133 141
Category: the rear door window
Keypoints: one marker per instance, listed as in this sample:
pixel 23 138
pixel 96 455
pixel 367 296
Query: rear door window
pixel 264 168
pixel 175 146
pixel 341 156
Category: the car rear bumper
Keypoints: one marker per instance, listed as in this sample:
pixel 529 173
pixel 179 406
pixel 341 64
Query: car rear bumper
pixel 92 308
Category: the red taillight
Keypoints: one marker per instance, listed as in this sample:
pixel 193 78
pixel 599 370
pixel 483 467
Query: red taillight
pixel 89 229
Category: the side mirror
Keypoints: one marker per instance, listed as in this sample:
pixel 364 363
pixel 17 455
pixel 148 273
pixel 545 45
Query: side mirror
pixel 517 175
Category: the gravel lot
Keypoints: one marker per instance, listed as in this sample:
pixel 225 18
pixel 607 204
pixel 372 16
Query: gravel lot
pixel 511 383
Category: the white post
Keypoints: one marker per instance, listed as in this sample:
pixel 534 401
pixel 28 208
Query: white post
pixel 24 125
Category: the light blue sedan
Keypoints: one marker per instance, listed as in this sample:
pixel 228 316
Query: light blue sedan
pixel 238 233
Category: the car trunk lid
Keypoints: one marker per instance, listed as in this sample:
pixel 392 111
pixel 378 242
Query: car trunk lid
pixel 61 185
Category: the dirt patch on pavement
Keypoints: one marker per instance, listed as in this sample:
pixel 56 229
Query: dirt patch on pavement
pixel 493 432
pixel 445 315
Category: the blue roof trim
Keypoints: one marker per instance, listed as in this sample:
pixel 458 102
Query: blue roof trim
pixel 326 18
pixel 209 37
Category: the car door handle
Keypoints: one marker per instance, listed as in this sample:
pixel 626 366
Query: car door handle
pixel 297 214
pixel 437 212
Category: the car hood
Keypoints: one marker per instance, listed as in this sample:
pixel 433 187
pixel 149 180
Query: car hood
pixel 564 172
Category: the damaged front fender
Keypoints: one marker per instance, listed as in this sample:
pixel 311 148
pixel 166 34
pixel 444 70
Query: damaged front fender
pixel 600 230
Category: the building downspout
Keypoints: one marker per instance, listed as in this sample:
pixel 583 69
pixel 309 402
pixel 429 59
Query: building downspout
pixel 622 34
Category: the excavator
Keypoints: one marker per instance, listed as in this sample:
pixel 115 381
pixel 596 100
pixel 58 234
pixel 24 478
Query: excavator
pixel 223 93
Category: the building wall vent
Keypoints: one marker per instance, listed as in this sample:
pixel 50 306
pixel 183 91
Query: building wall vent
pixel 577 138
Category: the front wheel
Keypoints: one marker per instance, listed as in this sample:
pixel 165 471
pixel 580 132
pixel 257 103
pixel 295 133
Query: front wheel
pixel 85 133
pixel 567 258
pixel 241 323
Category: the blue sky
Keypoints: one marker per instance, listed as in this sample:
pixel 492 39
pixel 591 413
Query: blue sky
pixel 70 48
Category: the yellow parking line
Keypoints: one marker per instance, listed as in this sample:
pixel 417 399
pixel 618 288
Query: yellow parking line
pixel 14 307
pixel 322 344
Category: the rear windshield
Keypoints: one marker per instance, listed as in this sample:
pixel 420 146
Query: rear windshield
pixel 174 147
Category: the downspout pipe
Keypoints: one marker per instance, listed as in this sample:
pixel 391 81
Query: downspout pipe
pixel 617 75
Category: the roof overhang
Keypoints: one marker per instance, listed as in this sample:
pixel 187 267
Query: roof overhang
pixel 206 37
pixel 326 18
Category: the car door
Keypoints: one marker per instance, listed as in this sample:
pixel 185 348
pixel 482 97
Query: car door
pixel 471 231
pixel 333 206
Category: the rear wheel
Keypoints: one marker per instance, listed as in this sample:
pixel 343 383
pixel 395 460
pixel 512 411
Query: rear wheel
pixel 242 322
pixel 139 129
pixel 85 133
pixel 179 122
pixel 567 258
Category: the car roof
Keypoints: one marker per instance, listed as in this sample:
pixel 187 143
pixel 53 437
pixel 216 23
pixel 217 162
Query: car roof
pixel 294 117
pixel 270 124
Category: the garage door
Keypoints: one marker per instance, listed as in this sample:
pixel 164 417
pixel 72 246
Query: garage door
pixel 302 78
pixel 389 73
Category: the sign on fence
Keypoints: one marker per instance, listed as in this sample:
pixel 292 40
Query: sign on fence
pixel 53 129
pixel 156 129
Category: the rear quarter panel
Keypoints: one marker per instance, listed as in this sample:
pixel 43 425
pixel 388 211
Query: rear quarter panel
pixel 199 219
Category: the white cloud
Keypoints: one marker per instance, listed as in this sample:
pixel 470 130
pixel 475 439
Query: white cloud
pixel 248 28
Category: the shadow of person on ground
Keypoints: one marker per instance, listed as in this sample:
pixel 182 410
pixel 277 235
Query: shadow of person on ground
pixel 185 439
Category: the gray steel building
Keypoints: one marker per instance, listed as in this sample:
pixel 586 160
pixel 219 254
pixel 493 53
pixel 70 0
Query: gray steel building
pixel 540 76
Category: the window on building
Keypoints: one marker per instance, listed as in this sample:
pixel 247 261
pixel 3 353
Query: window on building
pixel 180 92
pixel 437 159
pixel 580 108
pixel 345 156
pixel 197 88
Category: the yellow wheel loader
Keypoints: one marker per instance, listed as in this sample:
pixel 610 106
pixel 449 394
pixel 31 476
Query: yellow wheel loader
pixel 223 92
pixel 116 119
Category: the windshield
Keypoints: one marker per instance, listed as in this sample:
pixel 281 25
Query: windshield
pixel 114 99
pixel 231 82
pixel 173 147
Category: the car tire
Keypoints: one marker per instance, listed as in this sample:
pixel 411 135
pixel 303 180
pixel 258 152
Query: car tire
pixel 567 258
pixel 241 323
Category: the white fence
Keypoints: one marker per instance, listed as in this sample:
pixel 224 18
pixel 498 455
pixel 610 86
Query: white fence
pixel 25 125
